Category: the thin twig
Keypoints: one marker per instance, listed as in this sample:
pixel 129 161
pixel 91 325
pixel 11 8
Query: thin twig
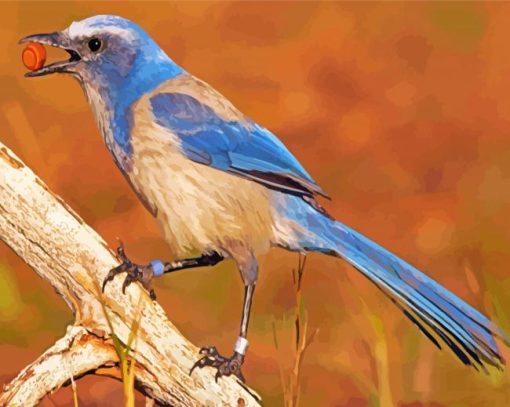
pixel 291 379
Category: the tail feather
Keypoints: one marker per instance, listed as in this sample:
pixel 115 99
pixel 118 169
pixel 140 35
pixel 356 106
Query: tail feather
pixel 438 313
pixel 467 332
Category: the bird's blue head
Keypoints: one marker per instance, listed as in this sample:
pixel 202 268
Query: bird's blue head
pixel 111 56
pixel 116 62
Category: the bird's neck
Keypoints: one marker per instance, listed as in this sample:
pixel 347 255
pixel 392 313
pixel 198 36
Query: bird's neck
pixel 112 104
pixel 104 113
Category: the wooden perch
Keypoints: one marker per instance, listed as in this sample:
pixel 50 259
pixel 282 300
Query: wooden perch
pixel 73 258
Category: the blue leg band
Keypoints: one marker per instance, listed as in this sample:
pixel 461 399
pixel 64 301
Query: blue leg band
pixel 157 267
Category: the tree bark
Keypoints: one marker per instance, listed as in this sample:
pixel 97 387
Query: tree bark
pixel 51 238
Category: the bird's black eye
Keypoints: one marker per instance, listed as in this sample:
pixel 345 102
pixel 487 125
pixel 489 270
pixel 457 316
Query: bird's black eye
pixel 94 44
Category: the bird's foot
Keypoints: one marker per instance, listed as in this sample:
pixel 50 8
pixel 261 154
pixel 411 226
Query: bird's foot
pixel 135 272
pixel 224 366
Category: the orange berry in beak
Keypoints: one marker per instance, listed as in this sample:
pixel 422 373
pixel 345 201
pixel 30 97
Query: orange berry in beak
pixel 34 56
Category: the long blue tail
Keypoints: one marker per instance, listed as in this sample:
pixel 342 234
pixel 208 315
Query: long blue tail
pixel 438 313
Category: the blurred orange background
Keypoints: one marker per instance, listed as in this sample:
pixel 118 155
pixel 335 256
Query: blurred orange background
pixel 399 110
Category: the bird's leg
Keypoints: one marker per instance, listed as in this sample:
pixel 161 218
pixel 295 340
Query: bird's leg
pixel 230 366
pixel 145 273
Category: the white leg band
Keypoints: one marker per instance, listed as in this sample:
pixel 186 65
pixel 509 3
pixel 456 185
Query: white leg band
pixel 241 345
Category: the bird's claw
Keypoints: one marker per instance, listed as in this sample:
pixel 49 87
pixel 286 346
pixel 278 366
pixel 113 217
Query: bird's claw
pixel 135 272
pixel 224 366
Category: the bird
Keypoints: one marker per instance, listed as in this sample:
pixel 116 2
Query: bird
pixel 224 186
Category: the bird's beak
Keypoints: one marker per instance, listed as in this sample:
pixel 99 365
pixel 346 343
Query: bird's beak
pixel 59 40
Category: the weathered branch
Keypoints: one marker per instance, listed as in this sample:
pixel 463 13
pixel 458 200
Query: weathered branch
pixel 73 258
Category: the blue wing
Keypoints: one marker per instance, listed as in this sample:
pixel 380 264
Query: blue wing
pixel 245 149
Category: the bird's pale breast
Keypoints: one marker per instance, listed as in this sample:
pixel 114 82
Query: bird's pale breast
pixel 198 207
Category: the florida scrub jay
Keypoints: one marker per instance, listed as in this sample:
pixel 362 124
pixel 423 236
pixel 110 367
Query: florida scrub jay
pixel 222 184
